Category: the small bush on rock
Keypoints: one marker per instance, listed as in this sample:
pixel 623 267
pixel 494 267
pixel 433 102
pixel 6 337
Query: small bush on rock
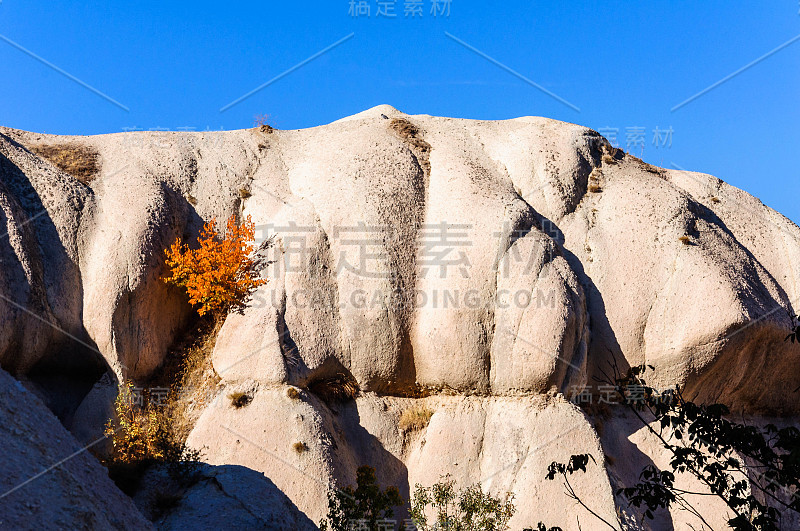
pixel 136 434
pixel 338 388
pixel 141 436
pixel 465 509
pixel 219 276
pixel 365 505
pixel 292 393
pixel 261 120
pixel 240 399
pixel 300 447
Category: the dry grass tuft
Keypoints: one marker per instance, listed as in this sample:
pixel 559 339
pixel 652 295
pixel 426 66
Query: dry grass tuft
pixel 715 199
pixel 594 181
pixel 188 372
pixel 415 418
pixel 612 155
pixel 262 122
pixel 411 135
pixel 685 240
pixel 79 161
pixel 244 193
pixel 404 128
pixel 414 391
pixel 338 388
pixel 293 393
pixel 240 399
pixel 192 200
pixel 300 447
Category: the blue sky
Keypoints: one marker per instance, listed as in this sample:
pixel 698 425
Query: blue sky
pixel 626 66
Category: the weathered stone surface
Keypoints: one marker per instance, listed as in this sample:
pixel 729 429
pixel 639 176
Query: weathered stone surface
pixel 504 443
pixel 494 264
pixel 48 479
pixel 518 248
pixel 217 497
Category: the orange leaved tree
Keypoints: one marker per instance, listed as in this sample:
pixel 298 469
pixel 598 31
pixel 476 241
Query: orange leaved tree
pixel 220 275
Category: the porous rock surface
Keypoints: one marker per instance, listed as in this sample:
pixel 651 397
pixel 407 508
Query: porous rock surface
pixel 492 266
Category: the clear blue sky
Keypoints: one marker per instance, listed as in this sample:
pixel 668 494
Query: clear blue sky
pixel 625 65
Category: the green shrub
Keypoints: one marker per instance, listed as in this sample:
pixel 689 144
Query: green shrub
pixel 460 510
pixel 366 503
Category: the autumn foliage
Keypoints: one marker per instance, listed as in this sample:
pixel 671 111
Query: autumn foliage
pixel 220 275
pixel 137 433
pixel 143 434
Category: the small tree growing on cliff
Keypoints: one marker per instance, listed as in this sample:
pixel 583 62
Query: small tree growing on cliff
pixel 219 276
pixel 142 435
pixel 134 432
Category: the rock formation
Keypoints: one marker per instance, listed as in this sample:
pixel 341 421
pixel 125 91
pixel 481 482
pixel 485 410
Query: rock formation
pixel 49 480
pixel 485 269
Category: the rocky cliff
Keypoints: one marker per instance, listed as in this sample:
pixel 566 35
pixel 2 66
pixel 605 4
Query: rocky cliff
pixel 489 270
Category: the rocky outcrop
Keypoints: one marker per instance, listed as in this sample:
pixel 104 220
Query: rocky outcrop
pixel 217 497
pixel 48 479
pixel 492 267
pixel 489 257
pixel 506 444
pixel 40 284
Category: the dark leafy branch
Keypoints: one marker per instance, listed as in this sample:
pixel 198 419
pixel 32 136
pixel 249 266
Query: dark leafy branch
pixel 577 463
pixel 366 503
pixel 733 460
pixel 795 334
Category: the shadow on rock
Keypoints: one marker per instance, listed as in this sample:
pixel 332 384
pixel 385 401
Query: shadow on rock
pixel 219 497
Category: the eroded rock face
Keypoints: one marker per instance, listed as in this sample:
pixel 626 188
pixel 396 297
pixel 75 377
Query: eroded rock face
pixel 48 479
pixel 506 444
pixel 490 257
pixel 502 263
pixel 40 284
